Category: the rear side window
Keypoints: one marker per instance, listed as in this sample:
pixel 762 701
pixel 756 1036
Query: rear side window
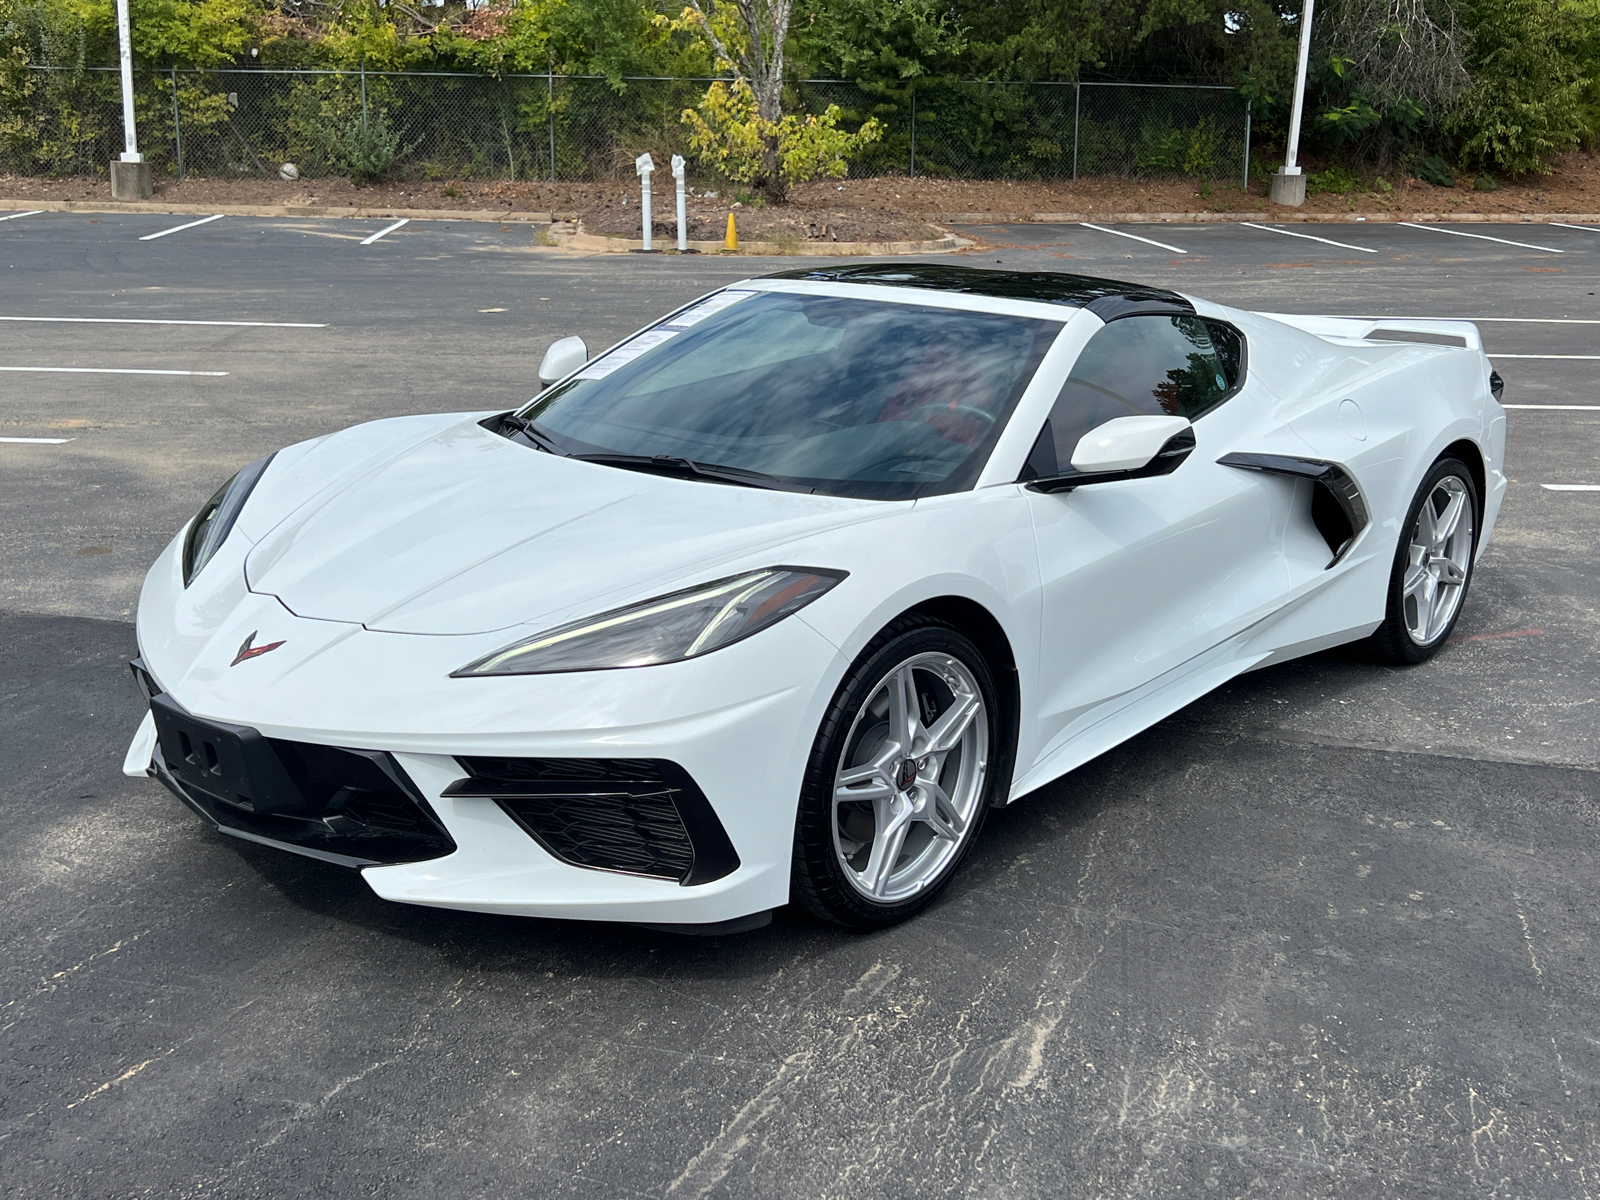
pixel 1138 366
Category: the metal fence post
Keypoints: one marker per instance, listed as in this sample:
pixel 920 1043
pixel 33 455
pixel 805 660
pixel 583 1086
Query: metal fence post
pixel 550 87
pixel 1077 107
pixel 913 131
pixel 505 128
pixel 1247 105
pixel 363 95
pixel 177 129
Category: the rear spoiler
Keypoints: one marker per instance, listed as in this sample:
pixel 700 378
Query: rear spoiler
pixel 1386 329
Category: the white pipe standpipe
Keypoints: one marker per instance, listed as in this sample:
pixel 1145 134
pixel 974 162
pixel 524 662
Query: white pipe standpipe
pixel 644 165
pixel 130 136
pixel 1289 184
pixel 683 224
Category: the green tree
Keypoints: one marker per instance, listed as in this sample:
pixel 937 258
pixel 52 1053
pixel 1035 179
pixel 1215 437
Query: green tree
pixel 1526 101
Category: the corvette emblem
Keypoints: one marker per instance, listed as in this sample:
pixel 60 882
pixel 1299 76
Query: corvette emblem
pixel 247 650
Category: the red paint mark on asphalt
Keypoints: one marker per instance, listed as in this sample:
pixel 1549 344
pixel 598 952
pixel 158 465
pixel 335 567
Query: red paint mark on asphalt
pixel 1494 637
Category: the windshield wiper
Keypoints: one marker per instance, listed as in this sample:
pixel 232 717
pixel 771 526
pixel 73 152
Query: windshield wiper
pixel 525 427
pixel 673 464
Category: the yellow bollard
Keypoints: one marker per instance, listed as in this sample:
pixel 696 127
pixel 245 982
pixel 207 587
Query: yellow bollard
pixel 731 242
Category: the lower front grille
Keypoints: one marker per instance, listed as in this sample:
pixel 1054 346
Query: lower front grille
pixel 635 816
pixel 354 807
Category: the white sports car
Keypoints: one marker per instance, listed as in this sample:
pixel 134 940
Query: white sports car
pixel 774 600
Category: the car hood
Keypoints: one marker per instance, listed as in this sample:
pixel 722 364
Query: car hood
pixel 466 532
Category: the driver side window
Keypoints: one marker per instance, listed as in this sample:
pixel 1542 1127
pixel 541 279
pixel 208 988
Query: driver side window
pixel 1138 366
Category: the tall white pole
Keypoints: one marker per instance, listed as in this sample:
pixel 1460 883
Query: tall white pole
pixel 683 225
pixel 129 136
pixel 644 164
pixel 1291 165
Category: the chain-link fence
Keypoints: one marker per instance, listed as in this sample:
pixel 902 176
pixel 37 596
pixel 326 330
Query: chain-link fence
pixel 1046 131
pixel 420 125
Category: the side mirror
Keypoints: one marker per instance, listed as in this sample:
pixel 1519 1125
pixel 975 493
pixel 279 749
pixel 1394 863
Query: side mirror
pixel 562 359
pixel 1125 443
pixel 1124 448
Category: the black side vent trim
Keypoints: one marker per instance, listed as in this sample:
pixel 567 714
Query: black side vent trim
pixel 1338 509
pixel 636 816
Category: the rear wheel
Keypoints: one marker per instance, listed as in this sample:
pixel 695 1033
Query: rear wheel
pixel 899 778
pixel 1432 566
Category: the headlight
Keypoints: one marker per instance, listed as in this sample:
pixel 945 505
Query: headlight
pixel 669 628
pixel 215 521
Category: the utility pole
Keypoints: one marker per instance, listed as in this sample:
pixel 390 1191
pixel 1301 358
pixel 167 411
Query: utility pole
pixel 130 174
pixel 1289 184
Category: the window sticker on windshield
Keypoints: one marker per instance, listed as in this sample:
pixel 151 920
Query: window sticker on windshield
pixel 626 353
pixel 711 304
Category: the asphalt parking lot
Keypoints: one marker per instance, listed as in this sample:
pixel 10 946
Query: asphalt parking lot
pixel 1328 932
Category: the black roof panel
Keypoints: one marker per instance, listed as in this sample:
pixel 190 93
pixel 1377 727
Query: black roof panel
pixel 1104 297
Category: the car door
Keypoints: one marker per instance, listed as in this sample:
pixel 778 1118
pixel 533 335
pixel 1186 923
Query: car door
pixel 1141 575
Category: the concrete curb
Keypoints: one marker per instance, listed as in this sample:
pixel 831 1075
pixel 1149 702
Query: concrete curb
pixel 621 245
pixel 1278 216
pixel 284 210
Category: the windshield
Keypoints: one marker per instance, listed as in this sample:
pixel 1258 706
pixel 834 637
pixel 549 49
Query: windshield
pixel 841 396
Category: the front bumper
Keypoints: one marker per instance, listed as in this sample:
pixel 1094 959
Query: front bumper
pixel 739 724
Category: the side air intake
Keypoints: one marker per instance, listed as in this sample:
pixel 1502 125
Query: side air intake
pixel 1338 509
pixel 637 816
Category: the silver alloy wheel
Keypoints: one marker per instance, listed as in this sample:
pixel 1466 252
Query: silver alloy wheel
pixel 1438 560
pixel 911 777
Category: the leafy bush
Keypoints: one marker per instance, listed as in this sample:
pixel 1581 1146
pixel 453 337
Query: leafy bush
pixel 1347 123
pixel 729 135
pixel 1205 143
pixel 1161 150
pixel 1337 181
pixel 1436 171
pixel 1170 150
pixel 366 148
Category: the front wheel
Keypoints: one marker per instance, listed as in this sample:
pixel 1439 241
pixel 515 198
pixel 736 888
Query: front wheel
pixel 899 778
pixel 1432 566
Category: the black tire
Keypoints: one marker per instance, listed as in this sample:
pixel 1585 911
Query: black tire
pixel 1393 641
pixel 818 881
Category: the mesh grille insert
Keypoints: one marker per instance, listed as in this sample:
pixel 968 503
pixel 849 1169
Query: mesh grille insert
pixel 636 816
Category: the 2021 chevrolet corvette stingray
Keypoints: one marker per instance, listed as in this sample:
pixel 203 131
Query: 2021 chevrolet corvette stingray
pixel 774 600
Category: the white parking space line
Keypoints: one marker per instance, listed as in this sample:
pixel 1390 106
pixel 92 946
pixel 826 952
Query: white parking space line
pixel 163 321
pixel 386 232
pixel 1571 487
pixel 1310 237
pixel 32 212
pixel 1482 237
pixel 1133 236
pixel 1480 320
pixel 1564 225
pixel 180 228
pixel 1570 357
pixel 37 441
pixel 1558 407
pixel 112 371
